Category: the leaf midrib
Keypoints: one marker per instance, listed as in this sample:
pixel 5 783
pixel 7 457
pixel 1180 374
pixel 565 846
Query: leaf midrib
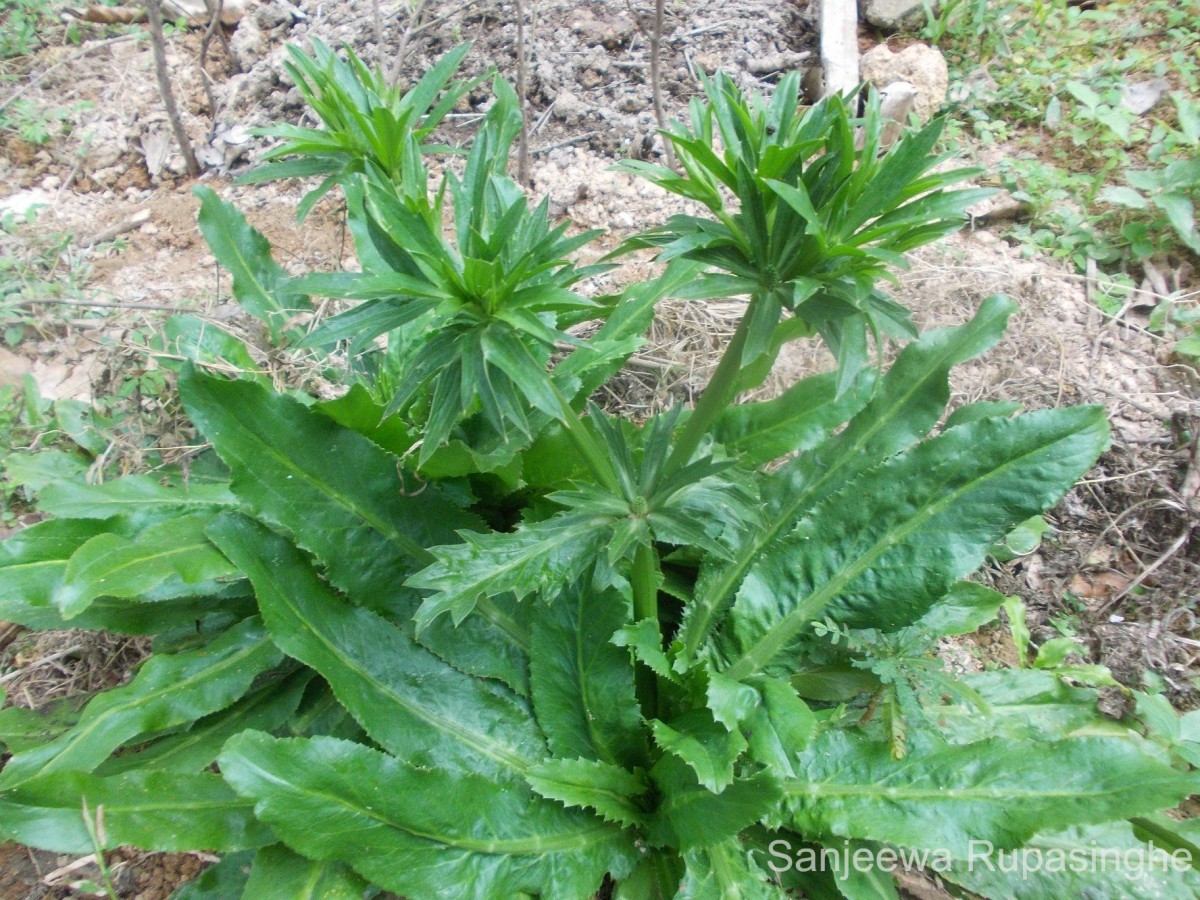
pixel 88 728
pixel 783 631
pixel 734 574
pixel 85 575
pixel 388 531
pixel 560 843
pixel 490 749
pixel 1007 793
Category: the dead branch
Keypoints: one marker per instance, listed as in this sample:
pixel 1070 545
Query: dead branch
pixel 377 19
pixel 100 304
pixel 109 15
pixel 214 20
pixel 577 139
pixel 125 225
pixel 158 43
pixel 523 95
pixel 654 35
pixel 411 30
pixel 8 633
pixel 656 78
pixel 839 45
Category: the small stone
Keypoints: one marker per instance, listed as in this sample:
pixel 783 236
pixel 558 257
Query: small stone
pixel 272 15
pixel 897 15
pixel 631 103
pixel 589 78
pixel 920 65
pixel 248 44
pixel 569 108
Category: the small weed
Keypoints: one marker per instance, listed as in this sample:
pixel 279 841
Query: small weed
pixel 35 265
pixel 1097 114
pixel 21 22
pixel 36 124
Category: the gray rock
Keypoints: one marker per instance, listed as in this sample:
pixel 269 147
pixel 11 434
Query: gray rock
pixel 569 108
pixel 896 15
pixel 272 15
pixel 920 65
pixel 248 44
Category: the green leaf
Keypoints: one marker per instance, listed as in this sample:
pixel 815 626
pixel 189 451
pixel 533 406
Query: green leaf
pixel 609 790
pixel 259 283
pixel 220 881
pixel 582 684
pixel 932 515
pixel 997 790
pixel 357 411
pixel 708 748
pixel 780 726
pixel 798 419
pixel 22 728
pixel 338 494
pixel 407 699
pixel 279 874
pixel 266 708
pixel 168 690
pixel 418 831
pixel 1014 608
pixel 645 642
pixel 964 609
pixel 37 470
pixel 167 811
pixel 729 701
pixel 188 338
pixel 982 409
pixel 1122 196
pixel 1083 94
pixel 725 871
pixel 873 881
pixel 833 683
pixel 1182 215
pixel 656 877
pixel 1055 652
pixel 1091 861
pixel 492 644
pixel 1169 833
pixel 33 562
pixel 909 402
pixel 690 815
pixel 133 493
pixel 1023 704
pixel 535 559
pixel 169 559
pixel 1023 539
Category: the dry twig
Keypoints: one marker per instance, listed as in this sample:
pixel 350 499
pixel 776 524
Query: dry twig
pixel 656 78
pixel 214 20
pixel 158 42
pixel 523 97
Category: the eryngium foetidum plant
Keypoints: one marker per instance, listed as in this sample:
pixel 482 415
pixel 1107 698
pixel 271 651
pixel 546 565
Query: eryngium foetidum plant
pixel 460 633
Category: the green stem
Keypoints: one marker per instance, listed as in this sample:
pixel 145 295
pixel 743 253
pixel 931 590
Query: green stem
pixel 718 394
pixel 599 464
pixel 644 580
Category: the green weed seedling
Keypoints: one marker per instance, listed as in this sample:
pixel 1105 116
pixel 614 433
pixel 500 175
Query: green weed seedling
pixel 1110 184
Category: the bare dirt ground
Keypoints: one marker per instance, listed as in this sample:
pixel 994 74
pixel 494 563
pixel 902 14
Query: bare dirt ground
pixel 1120 569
